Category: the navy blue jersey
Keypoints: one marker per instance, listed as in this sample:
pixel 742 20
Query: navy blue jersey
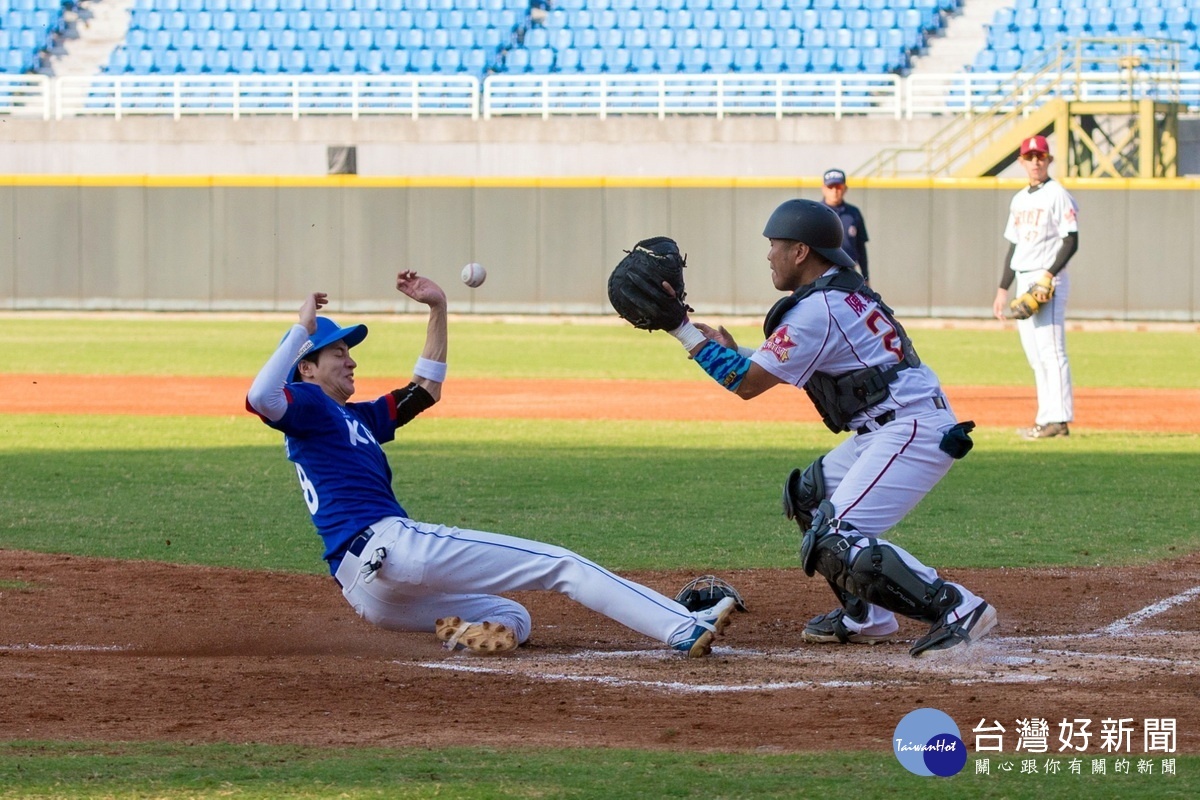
pixel 855 240
pixel 339 458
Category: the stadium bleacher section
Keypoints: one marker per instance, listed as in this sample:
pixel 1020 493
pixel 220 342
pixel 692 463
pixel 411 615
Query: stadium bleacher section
pixel 487 36
pixel 27 28
pixel 1020 33
pixel 515 37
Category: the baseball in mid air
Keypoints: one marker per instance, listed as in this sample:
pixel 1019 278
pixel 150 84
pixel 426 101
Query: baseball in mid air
pixel 474 275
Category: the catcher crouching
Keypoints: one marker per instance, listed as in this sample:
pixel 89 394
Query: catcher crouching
pixel 834 337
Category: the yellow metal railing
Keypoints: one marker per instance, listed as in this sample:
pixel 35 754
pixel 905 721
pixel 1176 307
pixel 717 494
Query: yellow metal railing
pixel 1110 68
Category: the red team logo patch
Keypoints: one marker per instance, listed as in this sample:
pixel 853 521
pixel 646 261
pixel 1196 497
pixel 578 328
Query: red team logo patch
pixel 779 344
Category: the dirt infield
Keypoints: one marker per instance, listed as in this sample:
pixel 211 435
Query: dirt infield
pixel 96 649
pixel 1127 409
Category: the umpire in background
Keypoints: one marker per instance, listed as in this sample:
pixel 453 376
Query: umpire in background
pixel 833 192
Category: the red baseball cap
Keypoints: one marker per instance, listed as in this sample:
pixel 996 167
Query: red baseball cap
pixel 1035 144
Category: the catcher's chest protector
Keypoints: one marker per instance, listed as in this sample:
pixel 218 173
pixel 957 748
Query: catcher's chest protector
pixel 838 398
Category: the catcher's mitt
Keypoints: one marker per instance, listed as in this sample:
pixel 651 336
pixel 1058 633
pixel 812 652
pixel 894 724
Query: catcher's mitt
pixel 706 591
pixel 636 291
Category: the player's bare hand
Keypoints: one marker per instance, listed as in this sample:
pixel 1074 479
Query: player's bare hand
pixel 718 335
pixel 308 311
pixel 420 288
pixel 1000 304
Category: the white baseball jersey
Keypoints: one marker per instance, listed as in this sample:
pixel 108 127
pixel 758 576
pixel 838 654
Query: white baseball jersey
pixel 835 332
pixel 1037 222
pixel 873 478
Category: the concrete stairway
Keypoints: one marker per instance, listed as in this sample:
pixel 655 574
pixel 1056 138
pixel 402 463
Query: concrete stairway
pixel 96 30
pixel 963 37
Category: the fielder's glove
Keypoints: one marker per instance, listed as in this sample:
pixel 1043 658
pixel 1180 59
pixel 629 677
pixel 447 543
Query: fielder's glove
pixel 706 591
pixel 1039 292
pixel 636 291
pixel 1043 288
pixel 1024 306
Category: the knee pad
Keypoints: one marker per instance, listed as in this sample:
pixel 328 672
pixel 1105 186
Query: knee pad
pixel 878 575
pixel 802 492
pixel 820 527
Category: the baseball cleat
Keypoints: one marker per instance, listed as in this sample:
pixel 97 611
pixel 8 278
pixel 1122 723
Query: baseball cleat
pixel 488 638
pixel 1045 431
pixel 965 631
pixel 710 623
pixel 829 629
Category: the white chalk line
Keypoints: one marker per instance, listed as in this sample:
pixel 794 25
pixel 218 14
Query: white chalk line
pixel 1153 610
pixel 64 648
pixel 1122 628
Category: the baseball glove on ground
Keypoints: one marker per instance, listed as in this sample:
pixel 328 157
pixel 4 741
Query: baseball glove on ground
pixel 706 591
pixel 636 291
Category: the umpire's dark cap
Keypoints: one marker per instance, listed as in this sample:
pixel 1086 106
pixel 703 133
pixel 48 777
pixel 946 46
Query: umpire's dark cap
pixel 327 333
pixel 815 224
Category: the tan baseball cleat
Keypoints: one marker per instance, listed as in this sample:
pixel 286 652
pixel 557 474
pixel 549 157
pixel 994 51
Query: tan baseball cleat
pixel 486 638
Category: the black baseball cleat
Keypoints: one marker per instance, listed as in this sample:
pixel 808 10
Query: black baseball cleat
pixel 1046 431
pixel 829 629
pixel 965 631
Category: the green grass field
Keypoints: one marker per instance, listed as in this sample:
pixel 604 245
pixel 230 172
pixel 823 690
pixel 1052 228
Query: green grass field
pixel 217 490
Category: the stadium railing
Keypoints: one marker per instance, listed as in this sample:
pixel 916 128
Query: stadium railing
pixel 530 95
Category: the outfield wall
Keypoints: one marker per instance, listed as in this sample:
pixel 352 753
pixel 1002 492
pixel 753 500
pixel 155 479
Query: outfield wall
pixel 252 243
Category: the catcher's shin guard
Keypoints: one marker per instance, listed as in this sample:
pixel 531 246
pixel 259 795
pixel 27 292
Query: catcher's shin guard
pixel 877 574
pixel 802 492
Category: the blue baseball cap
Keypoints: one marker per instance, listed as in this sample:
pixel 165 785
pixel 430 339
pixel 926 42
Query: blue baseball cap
pixel 834 177
pixel 326 334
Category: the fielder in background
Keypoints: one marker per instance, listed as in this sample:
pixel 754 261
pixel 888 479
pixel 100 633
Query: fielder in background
pixel 854 240
pixel 405 575
pixel 1043 235
pixel 836 338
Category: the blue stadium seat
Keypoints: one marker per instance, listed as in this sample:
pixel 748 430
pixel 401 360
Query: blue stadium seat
pixel 293 61
pixel 394 60
pixel 617 60
pixel 771 60
pixel 669 60
pixel 798 60
pixel 746 60
pixel 984 61
pixel 695 60
pixel 118 60
pixel 848 59
pixel 345 61
pixel 738 39
pixel 720 59
pixel 1008 61
pixel 643 61
pixel 370 61
pixel 166 62
pixel 765 38
pixel 541 58
pixel 823 60
pixel 475 60
pixel 567 60
pixel 516 61
pixel 712 38
pixel 591 60
pixel 421 61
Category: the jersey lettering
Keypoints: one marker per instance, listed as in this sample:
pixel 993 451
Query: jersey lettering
pixel 359 434
pixel 310 492
pixel 877 322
